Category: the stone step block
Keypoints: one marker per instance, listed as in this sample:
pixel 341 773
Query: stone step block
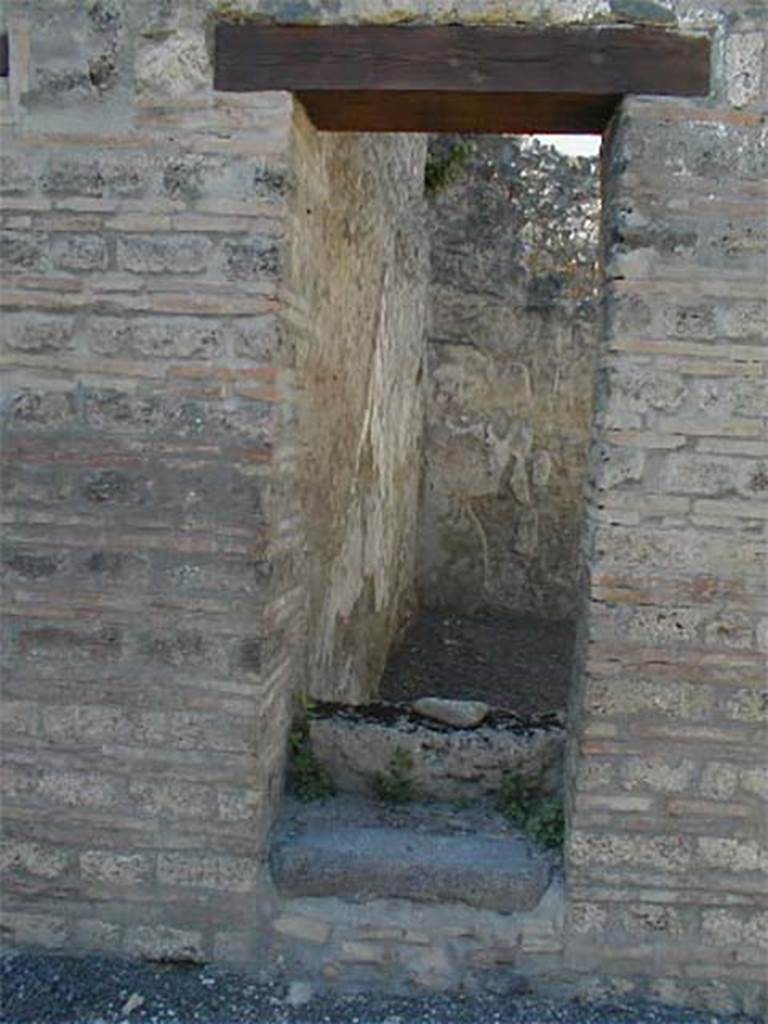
pixel 502 873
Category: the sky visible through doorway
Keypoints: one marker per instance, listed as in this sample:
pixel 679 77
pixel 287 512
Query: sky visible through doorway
pixel 573 145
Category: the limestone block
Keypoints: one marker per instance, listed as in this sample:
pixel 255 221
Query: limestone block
pixel 659 774
pixel 162 943
pixel 464 714
pixel 173 67
pixel 35 858
pixel 743 67
pixel 728 927
pixel 38 930
pixel 754 781
pixel 20 717
pixel 79 252
pixel 617 466
pixel 175 254
pixel 719 780
pixel 36 334
pixel 209 871
pixel 114 868
pixel 663 853
pixel 23 250
pixel 588 917
pixel 732 855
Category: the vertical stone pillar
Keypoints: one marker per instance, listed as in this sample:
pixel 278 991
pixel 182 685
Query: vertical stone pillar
pixel 667 857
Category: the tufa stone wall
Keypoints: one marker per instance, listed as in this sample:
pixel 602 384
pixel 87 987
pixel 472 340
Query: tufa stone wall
pixel 510 382
pixel 355 299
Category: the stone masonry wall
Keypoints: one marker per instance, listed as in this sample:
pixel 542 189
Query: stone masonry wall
pixel 355 300
pixel 186 407
pixel 667 849
pixel 514 320
pixel 145 674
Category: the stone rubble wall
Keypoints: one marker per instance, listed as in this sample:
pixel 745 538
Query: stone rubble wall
pixel 514 326
pixel 445 764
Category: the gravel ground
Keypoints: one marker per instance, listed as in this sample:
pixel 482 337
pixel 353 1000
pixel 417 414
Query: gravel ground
pixel 40 989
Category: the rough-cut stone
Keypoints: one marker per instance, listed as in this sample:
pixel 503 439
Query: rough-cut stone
pixel 464 714
pixel 445 762
pixel 173 67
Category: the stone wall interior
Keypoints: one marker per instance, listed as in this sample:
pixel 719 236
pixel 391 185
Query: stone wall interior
pixel 510 350
pixel 213 336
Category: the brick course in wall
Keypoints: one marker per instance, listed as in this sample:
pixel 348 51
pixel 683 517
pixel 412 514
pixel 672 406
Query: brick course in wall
pixel 154 597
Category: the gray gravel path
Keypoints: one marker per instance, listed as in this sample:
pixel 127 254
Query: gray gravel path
pixel 38 989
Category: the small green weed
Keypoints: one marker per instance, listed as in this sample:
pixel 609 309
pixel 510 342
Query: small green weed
pixel 542 818
pixel 464 803
pixel 546 823
pixel 444 170
pixel 308 779
pixel 396 785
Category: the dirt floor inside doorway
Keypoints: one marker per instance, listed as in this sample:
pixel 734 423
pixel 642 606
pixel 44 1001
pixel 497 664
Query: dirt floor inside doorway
pixel 516 662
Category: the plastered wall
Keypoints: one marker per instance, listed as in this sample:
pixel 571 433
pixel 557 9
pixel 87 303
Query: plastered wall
pixel 356 281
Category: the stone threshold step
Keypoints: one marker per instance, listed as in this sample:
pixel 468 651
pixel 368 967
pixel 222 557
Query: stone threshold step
pixel 425 855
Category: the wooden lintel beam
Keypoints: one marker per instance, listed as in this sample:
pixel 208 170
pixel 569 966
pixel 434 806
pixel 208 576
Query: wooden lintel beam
pixel 611 61
pixel 513 113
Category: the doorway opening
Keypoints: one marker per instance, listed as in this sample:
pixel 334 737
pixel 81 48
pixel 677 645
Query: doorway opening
pixel 442 418
pixel 446 363
pixel 513 226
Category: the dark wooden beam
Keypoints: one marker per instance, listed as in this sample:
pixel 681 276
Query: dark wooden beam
pixel 601 62
pixel 516 113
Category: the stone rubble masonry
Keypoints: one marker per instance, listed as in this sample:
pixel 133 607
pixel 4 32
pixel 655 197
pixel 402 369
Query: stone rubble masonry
pixel 158 585
pixel 511 348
